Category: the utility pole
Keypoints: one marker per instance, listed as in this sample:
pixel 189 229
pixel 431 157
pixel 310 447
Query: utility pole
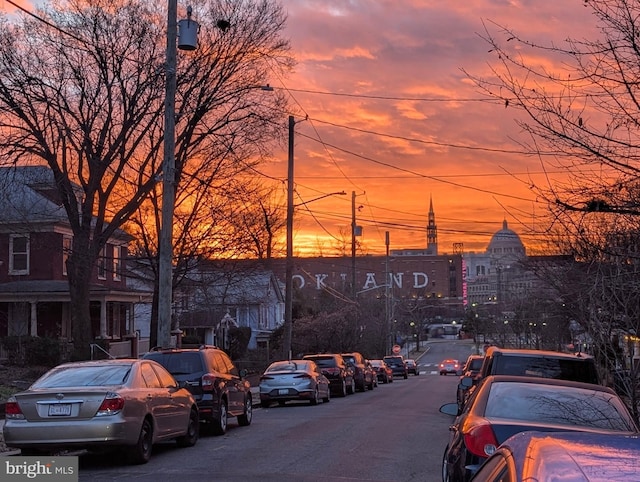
pixel 353 244
pixel 165 254
pixel 288 295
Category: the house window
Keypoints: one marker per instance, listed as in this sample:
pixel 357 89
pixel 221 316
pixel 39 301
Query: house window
pixel 117 263
pixel 18 254
pixel 66 252
pixel 102 263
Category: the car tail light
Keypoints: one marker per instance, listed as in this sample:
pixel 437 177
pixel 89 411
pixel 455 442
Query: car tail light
pixel 208 382
pixel 480 440
pixel 111 405
pixel 12 409
pixel 263 378
pixel 302 375
pixel 332 371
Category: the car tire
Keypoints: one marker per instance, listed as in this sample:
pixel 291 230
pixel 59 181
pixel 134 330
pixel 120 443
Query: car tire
pixel 245 419
pixel 220 423
pixel 193 430
pixel 445 467
pixel 373 384
pixel 327 399
pixel 343 389
pixel 140 453
pixel 406 376
pixel 316 397
pixel 265 404
pixel 351 388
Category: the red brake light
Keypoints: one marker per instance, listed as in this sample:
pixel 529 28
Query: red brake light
pixel 480 440
pixel 12 409
pixel 111 405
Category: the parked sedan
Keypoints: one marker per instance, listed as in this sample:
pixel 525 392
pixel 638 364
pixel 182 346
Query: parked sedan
pixel 340 375
pixel 384 372
pixel 577 456
pixel 288 380
pixel 129 404
pixel 504 405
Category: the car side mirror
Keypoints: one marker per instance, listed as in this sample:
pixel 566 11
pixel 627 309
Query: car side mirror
pixel 466 382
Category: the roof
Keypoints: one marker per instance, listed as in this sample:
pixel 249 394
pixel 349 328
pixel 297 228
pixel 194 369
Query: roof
pixel 535 353
pixel 579 456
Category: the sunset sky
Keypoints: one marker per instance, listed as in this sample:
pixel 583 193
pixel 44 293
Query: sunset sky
pixel 392 117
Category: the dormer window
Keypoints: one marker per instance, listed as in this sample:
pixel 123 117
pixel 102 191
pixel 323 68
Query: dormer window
pixel 18 254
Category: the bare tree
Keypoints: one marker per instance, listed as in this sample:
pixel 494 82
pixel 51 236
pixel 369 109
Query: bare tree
pixel 81 90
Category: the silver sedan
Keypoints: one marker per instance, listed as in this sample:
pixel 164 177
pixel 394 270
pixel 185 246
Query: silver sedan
pixel 129 404
pixel 287 380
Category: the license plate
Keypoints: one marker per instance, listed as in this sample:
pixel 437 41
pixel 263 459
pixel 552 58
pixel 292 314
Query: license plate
pixel 59 409
pixel 283 391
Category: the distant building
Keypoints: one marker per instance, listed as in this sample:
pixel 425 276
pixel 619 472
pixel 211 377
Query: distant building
pixel 432 239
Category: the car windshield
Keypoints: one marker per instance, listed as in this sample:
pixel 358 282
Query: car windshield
pixel 88 376
pixel 287 366
pixel 555 404
pixel 475 364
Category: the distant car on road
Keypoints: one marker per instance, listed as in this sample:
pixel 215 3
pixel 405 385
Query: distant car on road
pixel 397 365
pixel 288 380
pixel 125 404
pixel 362 376
pixel 412 366
pixel 504 405
pixel 450 366
pixel 334 367
pixel 384 372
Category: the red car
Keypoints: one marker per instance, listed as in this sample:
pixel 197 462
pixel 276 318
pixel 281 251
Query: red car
pixel 450 366
pixel 383 371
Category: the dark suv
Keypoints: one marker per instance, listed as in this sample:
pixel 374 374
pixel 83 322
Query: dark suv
pixel 334 367
pixel 397 365
pixel 214 381
pixel 364 377
pixel 531 363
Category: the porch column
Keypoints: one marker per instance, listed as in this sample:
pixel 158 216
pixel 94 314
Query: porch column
pixel 34 318
pixel 103 318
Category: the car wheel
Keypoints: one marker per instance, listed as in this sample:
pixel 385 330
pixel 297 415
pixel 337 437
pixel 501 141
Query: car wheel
pixel 140 453
pixel 220 424
pixel 445 466
pixel 406 376
pixel 316 397
pixel 246 417
pixel 351 389
pixel 327 399
pixel 343 389
pixel 193 430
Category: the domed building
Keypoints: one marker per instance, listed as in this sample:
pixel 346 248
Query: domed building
pixel 505 245
pixel 496 274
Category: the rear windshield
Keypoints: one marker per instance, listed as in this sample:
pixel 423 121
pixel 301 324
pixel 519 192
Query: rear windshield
pixel 89 376
pixel 325 362
pixel 578 369
pixel 576 407
pixel 394 360
pixel 182 363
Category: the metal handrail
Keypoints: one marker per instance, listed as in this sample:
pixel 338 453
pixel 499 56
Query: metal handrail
pixel 95 345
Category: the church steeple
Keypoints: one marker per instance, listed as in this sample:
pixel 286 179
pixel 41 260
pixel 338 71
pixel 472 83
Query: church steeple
pixel 432 231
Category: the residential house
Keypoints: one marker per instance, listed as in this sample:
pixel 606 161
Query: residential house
pixel 35 242
pixel 210 301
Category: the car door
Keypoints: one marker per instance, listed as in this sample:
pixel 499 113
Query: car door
pixel 158 401
pixel 234 386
